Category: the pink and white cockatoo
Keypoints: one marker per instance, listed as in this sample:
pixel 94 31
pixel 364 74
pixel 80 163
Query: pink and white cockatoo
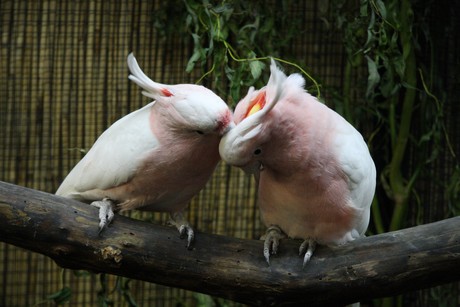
pixel 316 178
pixel 156 158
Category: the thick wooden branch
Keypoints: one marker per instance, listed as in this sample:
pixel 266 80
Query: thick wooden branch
pixel 382 265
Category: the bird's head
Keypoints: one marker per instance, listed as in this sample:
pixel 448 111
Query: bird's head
pixel 244 145
pixel 185 108
pixel 196 109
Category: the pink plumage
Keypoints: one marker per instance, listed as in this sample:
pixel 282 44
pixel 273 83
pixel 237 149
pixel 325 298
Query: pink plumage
pixel 315 175
pixel 156 158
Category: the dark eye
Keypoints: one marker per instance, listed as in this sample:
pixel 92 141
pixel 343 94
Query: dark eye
pixel 199 131
pixel 257 152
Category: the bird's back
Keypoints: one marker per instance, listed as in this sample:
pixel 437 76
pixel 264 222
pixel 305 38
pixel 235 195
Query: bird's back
pixel 113 158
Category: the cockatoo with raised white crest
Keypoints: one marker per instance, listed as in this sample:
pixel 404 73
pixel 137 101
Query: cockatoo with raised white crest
pixel 156 158
pixel 316 178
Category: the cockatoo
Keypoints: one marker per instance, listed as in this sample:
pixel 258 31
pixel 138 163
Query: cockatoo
pixel 316 178
pixel 156 158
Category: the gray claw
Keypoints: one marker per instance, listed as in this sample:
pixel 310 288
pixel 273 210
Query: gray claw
pixel 190 237
pixel 311 244
pixel 105 212
pixel 178 220
pixel 267 244
pixel 272 239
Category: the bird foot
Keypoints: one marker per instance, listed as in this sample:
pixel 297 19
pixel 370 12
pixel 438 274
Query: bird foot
pixel 271 241
pixel 105 212
pixel 185 230
pixel 308 247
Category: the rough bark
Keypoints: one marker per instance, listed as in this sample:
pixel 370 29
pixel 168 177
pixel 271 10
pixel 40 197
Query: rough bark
pixel 376 266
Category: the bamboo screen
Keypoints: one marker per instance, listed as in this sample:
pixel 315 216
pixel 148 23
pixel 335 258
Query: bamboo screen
pixel 64 80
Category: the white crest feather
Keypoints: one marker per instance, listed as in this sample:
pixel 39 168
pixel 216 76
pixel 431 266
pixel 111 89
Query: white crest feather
pixel 152 89
pixel 296 80
pixel 274 87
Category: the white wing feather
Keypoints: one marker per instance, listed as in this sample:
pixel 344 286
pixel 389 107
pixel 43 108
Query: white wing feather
pixel 114 157
pixel 356 162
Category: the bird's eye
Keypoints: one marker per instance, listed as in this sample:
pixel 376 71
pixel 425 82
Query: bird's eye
pixel 199 131
pixel 257 152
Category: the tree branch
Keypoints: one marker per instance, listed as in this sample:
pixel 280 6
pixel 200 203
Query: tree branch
pixel 381 265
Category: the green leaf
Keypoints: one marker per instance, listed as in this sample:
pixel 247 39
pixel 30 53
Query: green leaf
pixel 191 62
pixel 62 296
pixel 370 32
pixel 400 66
pixel 125 290
pixel 407 46
pixel 204 300
pixel 388 86
pixel 80 273
pixel 381 8
pixel 374 77
pixel 198 53
pixel 363 8
pixel 256 68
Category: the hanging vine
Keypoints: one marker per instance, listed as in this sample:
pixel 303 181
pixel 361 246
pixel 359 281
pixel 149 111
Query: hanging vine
pixel 386 36
pixel 233 41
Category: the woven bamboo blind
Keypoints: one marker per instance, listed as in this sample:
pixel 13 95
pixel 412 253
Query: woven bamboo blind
pixel 63 80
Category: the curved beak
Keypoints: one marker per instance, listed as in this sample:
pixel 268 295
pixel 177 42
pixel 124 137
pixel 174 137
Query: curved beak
pixel 227 128
pixel 225 123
